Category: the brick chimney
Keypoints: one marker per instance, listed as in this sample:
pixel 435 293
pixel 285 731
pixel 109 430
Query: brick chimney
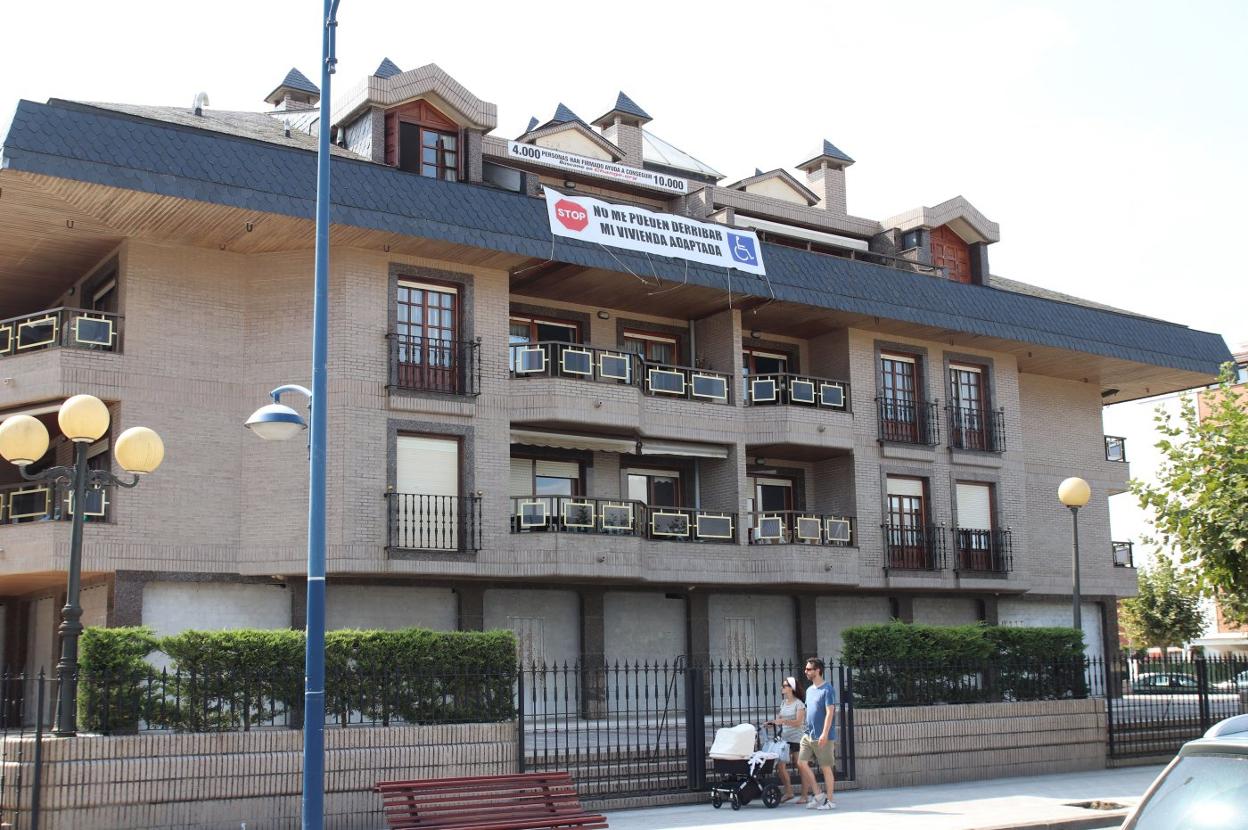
pixel 825 172
pixel 295 92
pixel 622 127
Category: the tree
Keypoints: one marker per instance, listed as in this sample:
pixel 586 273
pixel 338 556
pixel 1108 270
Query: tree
pixel 1200 501
pixel 1167 611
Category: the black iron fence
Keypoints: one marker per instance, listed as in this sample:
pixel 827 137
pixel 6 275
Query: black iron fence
pixel 41 501
pixel 420 521
pixel 77 328
pixel 620 517
pixel 914 547
pixel 976 429
pixel 904 421
pixel 984 551
pixel 432 364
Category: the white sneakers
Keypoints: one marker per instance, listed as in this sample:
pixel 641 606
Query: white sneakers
pixel 821 802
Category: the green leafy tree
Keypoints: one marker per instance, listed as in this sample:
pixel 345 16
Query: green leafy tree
pixel 1199 503
pixel 1167 611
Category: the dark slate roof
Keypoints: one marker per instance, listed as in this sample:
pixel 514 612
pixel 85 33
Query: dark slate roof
pixel 627 106
pixel 387 69
pixel 297 80
pixel 103 147
pixel 831 150
pixel 563 115
pixel 532 124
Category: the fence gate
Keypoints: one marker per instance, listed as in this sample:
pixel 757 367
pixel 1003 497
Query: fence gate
pixel 1155 705
pixel 645 728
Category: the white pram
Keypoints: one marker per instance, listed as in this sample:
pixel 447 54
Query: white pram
pixel 744 771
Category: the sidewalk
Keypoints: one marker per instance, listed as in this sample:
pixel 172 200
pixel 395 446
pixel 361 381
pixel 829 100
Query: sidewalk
pixel 1032 802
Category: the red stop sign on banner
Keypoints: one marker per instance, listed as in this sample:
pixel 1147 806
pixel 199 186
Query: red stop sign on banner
pixel 571 215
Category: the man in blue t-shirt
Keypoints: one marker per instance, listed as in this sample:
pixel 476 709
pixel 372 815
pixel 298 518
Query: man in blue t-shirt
pixel 819 740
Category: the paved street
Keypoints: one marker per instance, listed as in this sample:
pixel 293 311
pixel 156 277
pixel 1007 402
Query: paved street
pixel 980 805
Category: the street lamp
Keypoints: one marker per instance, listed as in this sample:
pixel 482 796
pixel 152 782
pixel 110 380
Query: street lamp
pixel 1074 493
pixel 24 440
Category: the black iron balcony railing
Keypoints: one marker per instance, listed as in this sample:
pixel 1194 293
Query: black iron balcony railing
pixel 797 390
pixel 800 527
pixel 976 429
pixel 76 328
pixel 427 364
pixel 41 502
pixel 425 522
pixel 572 360
pixel 1115 448
pixel 908 422
pixel 984 551
pixel 914 548
pixel 1124 554
pixel 620 517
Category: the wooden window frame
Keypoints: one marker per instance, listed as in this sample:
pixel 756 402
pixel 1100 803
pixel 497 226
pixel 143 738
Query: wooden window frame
pixel 647 337
pixel 534 320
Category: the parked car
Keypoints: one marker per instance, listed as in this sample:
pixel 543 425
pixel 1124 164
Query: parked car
pixel 1204 788
pixel 1165 683
pixel 1238 683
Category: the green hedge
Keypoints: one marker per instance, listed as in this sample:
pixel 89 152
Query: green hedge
pixel 226 680
pixel 902 664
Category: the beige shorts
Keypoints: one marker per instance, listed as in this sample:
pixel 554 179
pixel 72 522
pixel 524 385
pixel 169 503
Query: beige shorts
pixel 824 755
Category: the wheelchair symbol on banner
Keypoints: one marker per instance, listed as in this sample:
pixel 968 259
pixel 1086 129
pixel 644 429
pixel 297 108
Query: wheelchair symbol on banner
pixel 742 249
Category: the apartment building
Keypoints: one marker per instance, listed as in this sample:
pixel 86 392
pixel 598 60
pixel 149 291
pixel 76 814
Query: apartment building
pixel 617 453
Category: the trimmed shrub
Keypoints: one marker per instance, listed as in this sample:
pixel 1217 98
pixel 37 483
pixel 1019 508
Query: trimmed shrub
pixel 902 664
pixel 240 679
pixel 112 670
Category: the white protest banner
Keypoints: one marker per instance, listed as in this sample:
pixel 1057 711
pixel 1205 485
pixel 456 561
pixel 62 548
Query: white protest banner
pixel 595 167
pixel 665 234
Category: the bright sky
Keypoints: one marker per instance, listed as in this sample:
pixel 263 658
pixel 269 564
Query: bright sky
pixel 1107 139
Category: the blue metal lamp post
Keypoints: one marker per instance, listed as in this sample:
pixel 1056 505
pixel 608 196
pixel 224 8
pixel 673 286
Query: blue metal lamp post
pixel 274 421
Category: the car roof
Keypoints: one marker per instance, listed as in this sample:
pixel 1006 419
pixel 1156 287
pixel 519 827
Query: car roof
pixel 1226 736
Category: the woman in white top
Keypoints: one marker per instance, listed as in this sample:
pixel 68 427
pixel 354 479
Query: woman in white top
pixel 790 718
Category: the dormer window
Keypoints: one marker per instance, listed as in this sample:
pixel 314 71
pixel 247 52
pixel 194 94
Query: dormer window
pixel 429 152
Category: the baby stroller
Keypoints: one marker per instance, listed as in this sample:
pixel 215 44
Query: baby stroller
pixel 744 772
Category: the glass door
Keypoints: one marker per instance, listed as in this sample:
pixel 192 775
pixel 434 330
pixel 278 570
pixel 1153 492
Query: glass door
pixel 966 393
pixel 425 330
pixel 898 399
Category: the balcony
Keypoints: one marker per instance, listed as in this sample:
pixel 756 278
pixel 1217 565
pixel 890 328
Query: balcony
pixel 434 523
pixel 908 422
pixel 1124 554
pixel 797 527
pixel 32 501
pixel 1116 448
pixel 620 517
pixel 73 328
pixel 976 430
pixel 613 366
pixel 797 390
pixel 447 367
pixel 909 548
pixel 984 551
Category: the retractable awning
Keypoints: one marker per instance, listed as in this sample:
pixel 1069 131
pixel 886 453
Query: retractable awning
pixel 570 441
pixel 685 448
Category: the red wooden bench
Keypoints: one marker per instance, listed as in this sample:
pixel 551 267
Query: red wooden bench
pixel 528 801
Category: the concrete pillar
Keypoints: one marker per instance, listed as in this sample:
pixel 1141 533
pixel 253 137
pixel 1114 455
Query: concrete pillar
pixel 126 608
pixel 698 627
pixel 992 615
pixel 593 653
pixel 807 626
pixel 471 613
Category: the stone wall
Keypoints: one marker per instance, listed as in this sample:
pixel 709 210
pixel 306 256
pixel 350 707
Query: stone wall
pixel 188 782
pixel 937 744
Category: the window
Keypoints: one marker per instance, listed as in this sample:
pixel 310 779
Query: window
pixel 425 513
pixel 430 152
pixel 653 348
pixel 754 363
pixel 545 478
pixel 659 488
pixel 426 325
pixel 907 519
pixel 542 330
pixel 910 239
pixel 969 422
pixel 899 402
pixel 974 505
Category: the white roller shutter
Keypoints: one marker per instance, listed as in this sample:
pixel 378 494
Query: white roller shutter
pixel 974 506
pixel 558 469
pixel 428 466
pixel 521 477
pixel 905 487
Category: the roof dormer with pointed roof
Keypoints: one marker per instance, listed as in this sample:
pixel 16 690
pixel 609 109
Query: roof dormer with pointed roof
pixel 626 110
pixel 777 184
pixel 294 92
pixel 387 69
pixel 827 153
pixel 569 132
